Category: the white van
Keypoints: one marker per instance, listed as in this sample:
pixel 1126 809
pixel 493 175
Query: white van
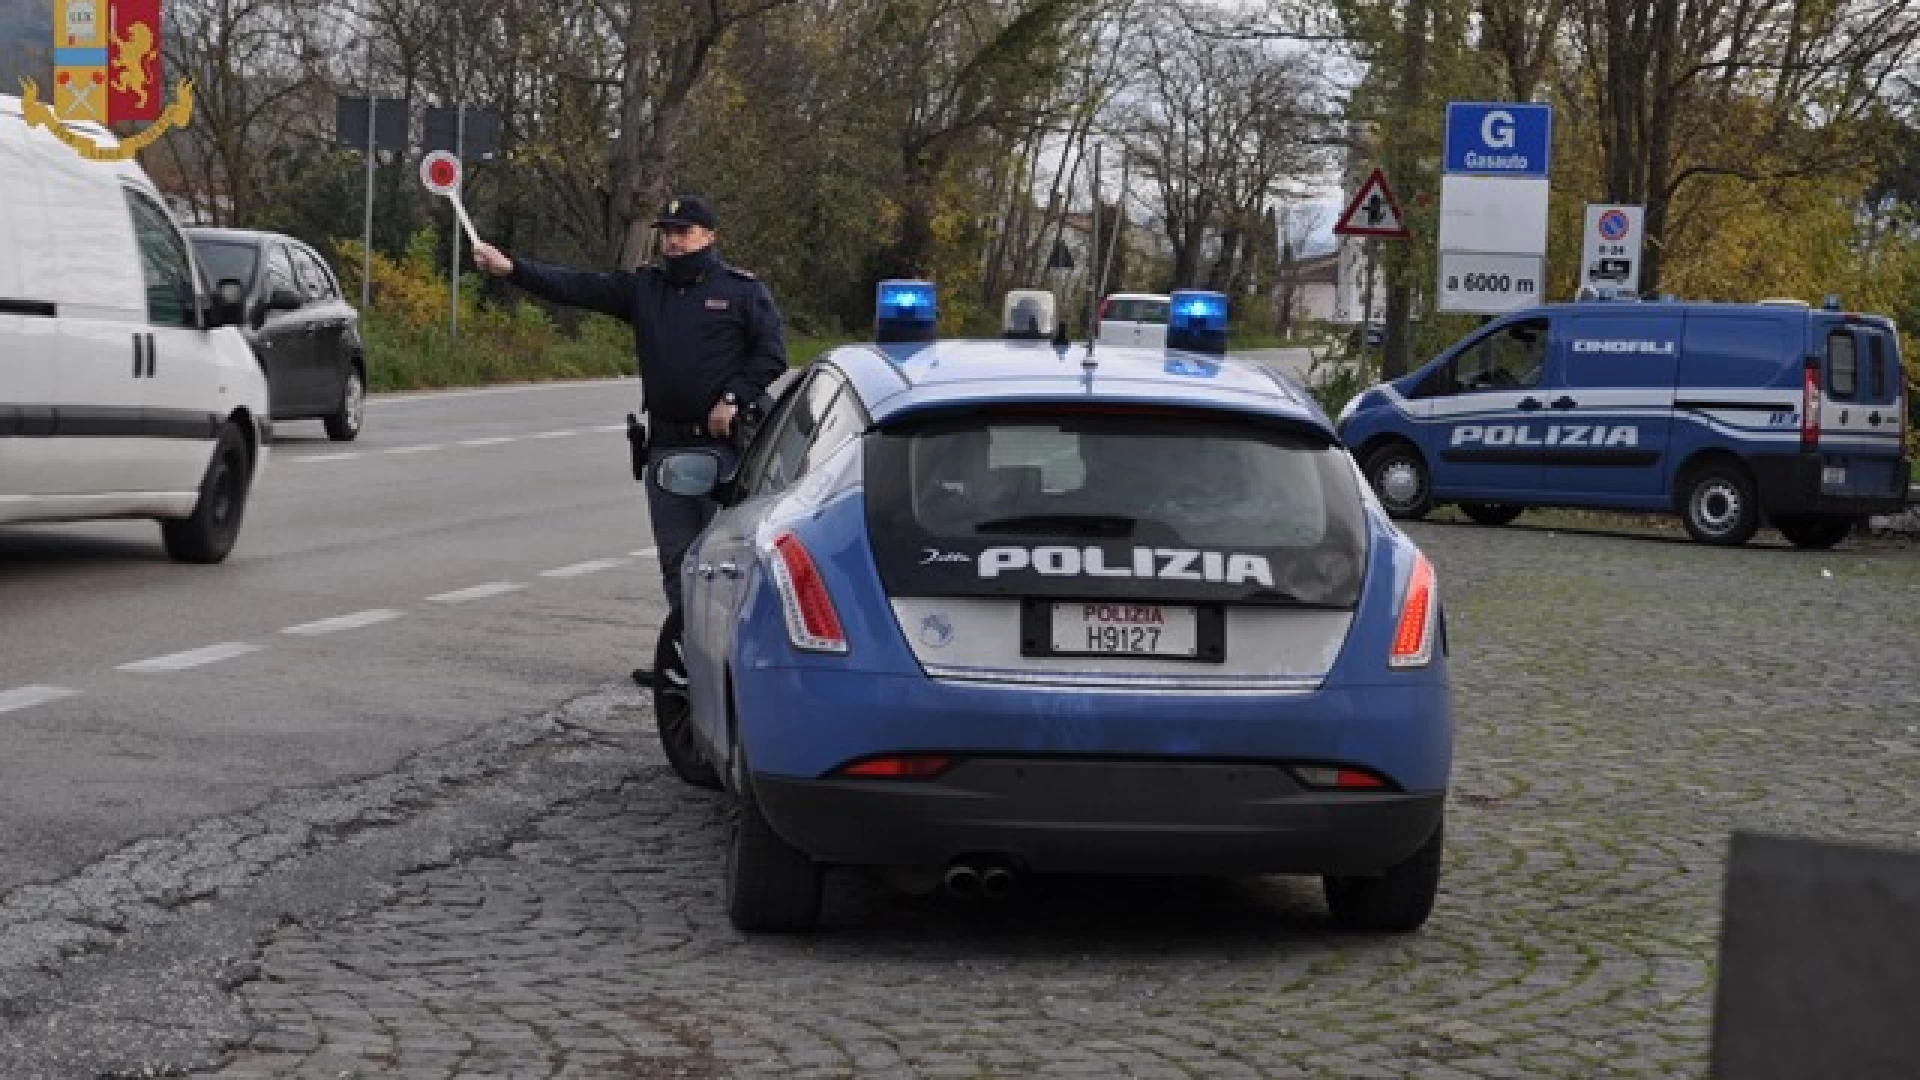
pixel 124 390
pixel 1133 319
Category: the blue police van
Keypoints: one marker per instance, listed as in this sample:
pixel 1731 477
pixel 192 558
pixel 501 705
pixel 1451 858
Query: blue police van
pixel 973 610
pixel 1730 415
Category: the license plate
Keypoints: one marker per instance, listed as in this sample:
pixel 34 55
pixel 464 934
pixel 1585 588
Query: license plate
pixel 1833 476
pixel 1126 630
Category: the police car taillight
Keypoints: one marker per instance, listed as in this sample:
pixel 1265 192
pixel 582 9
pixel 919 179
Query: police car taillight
pixel 812 623
pixel 1413 636
pixel 1810 407
pixel 1329 777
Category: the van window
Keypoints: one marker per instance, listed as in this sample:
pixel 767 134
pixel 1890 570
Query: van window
pixel 1510 358
pixel 1842 365
pixel 1877 366
pixel 171 297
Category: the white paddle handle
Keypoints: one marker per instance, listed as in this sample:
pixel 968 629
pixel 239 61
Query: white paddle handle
pixel 466 222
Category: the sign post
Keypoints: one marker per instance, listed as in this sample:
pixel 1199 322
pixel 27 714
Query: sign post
pixel 1493 206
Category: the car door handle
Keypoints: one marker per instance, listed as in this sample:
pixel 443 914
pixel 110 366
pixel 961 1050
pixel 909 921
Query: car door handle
pixel 730 569
pixel 1564 402
pixel 706 571
pixel 1529 404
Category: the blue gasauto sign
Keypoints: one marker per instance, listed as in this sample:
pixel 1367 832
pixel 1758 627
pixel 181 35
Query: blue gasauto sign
pixel 1499 139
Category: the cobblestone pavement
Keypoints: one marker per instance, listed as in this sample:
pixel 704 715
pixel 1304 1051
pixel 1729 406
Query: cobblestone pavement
pixel 1623 703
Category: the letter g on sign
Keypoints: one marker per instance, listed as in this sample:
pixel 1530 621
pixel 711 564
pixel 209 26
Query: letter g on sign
pixel 1496 130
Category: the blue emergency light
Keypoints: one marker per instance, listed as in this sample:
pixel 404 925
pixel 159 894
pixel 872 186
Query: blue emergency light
pixel 905 311
pixel 1197 321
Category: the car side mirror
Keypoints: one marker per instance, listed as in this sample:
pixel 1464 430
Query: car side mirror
pixel 284 299
pixel 229 303
pixel 694 472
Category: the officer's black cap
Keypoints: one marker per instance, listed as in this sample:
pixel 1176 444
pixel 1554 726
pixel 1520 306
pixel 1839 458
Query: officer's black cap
pixel 687 210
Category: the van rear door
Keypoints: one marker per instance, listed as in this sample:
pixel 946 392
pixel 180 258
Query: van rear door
pixel 1860 403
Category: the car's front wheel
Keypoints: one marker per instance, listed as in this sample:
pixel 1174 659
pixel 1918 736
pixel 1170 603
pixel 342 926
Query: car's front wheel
pixel 344 426
pixel 673 709
pixel 1396 902
pixel 772 886
pixel 209 534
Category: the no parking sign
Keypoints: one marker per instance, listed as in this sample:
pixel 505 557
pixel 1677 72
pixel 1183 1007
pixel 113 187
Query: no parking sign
pixel 1610 256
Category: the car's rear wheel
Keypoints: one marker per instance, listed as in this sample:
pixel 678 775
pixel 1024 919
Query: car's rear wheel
pixel 209 534
pixel 1720 507
pixel 1400 480
pixel 673 709
pixel 344 426
pixel 1396 902
pixel 772 886
pixel 1493 515
pixel 1814 533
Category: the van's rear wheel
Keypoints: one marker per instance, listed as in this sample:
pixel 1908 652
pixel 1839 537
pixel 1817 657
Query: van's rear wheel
pixel 1400 480
pixel 208 536
pixel 1491 514
pixel 1814 533
pixel 1720 507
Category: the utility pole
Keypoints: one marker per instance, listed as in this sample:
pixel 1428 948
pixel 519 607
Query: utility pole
pixel 366 239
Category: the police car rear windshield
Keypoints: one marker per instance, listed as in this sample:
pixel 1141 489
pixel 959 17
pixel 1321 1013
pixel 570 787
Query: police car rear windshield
pixel 1125 484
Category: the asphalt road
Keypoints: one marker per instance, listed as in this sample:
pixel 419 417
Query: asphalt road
pixel 474 556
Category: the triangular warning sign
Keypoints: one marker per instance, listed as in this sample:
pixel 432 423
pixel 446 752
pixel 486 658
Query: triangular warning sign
pixel 1373 212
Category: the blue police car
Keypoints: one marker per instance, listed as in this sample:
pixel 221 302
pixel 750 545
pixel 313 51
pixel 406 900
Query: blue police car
pixel 1726 414
pixel 980 609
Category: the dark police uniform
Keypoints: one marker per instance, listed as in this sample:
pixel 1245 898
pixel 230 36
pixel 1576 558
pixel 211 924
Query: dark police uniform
pixel 702 331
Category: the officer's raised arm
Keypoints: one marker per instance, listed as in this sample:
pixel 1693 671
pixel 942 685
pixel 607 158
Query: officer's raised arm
pixel 608 293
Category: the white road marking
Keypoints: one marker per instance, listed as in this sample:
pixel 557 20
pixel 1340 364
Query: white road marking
pixel 324 457
pixel 593 566
pixel 194 658
pixel 555 435
pixel 354 621
pixel 413 449
pixel 646 553
pixel 611 427
pixel 478 592
pixel 495 440
pixel 493 391
pixel 26 697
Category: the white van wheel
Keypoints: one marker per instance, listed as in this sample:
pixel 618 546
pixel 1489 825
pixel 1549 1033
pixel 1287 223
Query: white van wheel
pixel 208 536
pixel 1721 507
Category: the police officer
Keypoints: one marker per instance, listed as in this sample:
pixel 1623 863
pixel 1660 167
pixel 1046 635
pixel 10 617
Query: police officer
pixel 709 343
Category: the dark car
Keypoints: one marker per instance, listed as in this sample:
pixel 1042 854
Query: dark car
pixel 305 335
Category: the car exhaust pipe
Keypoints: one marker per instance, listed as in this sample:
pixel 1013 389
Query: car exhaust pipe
pixel 962 880
pixel 997 883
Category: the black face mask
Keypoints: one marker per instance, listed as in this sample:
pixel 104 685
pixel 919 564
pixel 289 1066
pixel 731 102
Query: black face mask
pixel 686 269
